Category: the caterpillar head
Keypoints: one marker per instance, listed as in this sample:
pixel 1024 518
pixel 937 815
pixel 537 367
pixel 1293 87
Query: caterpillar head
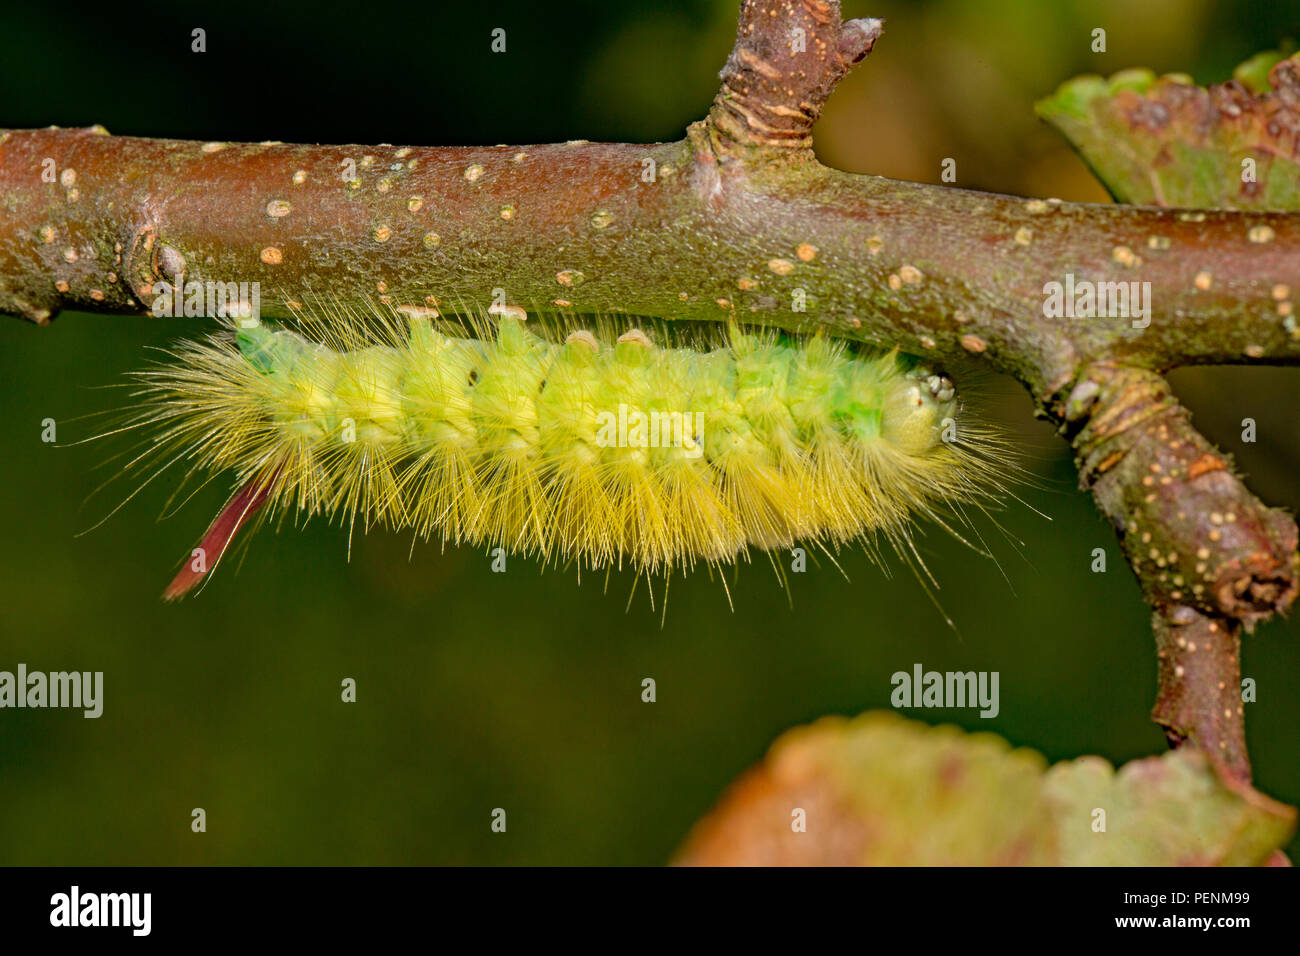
pixel 915 415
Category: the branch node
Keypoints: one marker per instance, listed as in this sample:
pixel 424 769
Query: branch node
pixel 789 54
pixel 858 37
pixel 1190 529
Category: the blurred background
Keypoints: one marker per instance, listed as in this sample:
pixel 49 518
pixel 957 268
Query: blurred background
pixel 523 690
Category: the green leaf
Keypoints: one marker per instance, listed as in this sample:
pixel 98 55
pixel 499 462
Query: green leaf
pixel 1254 73
pixel 1170 810
pixel 879 790
pixel 1164 142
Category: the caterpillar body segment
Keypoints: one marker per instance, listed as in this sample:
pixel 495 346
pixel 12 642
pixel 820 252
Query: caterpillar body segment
pixel 599 446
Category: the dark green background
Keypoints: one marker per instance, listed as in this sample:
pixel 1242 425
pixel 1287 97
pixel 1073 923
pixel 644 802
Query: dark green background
pixel 522 690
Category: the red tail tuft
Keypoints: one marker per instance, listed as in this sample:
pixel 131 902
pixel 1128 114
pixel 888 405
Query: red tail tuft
pixel 246 503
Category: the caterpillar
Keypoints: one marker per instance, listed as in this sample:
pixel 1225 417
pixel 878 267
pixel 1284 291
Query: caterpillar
pixel 609 444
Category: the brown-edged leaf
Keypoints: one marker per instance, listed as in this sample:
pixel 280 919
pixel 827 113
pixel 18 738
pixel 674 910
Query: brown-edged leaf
pixel 1165 142
pixel 879 790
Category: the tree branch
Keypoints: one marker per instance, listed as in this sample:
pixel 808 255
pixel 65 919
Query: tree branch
pixel 738 219
pixel 1199 697
pixel 787 59
pixel 939 271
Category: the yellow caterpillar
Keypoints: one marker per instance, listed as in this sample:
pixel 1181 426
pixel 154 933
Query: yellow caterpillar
pixel 598 446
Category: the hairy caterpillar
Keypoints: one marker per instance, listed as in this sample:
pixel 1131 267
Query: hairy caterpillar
pixel 597 446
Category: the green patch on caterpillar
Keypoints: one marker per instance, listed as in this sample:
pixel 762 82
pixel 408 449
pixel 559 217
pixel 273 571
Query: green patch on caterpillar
pixel 599 443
